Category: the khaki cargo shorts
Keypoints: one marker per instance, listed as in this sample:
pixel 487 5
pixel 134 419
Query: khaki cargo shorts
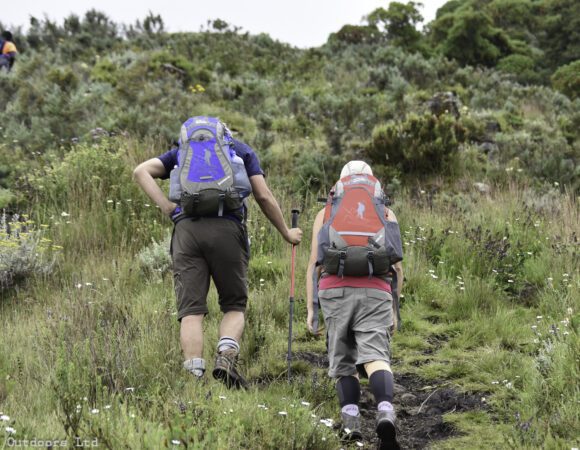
pixel 357 322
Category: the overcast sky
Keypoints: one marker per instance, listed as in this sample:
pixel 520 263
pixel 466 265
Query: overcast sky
pixel 303 23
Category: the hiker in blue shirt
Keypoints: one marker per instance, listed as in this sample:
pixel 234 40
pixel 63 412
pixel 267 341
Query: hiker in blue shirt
pixel 211 245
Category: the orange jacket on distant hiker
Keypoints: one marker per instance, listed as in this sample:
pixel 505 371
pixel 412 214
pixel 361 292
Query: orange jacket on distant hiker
pixel 9 47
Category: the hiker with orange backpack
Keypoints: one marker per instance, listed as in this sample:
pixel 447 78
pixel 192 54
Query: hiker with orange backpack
pixel 7 51
pixel 211 175
pixel 355 242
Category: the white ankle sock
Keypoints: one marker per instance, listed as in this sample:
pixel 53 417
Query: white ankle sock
pixel 385 406
pixel 351 410
pixel 228 343
pixel 196 366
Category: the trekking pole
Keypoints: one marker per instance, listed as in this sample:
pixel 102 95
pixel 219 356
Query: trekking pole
pixel 315 305
pixel 295 213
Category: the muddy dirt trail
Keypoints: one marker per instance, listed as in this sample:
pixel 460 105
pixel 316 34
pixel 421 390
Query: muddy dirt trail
pixel 420 407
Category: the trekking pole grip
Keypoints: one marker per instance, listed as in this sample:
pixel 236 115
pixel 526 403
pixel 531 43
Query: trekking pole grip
pixel 295 213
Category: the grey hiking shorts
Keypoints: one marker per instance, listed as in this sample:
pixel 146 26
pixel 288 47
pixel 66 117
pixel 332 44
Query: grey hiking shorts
pixel 357 322
pixel 204 248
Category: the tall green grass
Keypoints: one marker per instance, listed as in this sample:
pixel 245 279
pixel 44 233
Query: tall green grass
pixel 490 306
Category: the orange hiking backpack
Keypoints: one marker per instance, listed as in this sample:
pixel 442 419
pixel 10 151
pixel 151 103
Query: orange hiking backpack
pixel 356 239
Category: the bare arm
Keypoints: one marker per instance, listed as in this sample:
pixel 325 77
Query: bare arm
pixel 311 268
pixel 271 209
pixel 398 266
pixel 145 174
pixel 398 269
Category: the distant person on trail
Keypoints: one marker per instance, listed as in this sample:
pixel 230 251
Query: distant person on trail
pixel 355 243
pixel 7 51
pixel 211 174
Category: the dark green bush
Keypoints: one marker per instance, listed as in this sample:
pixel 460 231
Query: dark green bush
pixel 567 79
pixel 521 67
pixel 418 145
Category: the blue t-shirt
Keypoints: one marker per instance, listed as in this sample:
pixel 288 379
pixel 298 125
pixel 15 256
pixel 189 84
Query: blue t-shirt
pixel 244 151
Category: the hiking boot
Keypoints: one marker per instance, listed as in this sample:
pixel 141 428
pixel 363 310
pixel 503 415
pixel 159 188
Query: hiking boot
pixel 386 430
pixel 351 427
pixel 226 369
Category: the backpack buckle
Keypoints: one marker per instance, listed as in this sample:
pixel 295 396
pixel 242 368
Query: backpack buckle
pixel 221 202
pixel 371 258
pixel 342 259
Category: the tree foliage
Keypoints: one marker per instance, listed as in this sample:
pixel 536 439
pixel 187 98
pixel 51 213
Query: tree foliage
pixel 399 21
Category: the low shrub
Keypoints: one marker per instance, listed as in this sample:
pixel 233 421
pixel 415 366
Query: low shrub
pixel 24 251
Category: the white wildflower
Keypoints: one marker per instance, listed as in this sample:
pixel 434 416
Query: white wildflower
pixel 10 430
pixel 305 403
pixel 130 389
pixel 64 214
pixel 94 411
pixel 327 422
pixel 175 441
pixel 282 413
pixel 222 397
pixel 4 418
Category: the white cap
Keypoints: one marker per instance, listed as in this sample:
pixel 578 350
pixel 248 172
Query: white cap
pixel 355 168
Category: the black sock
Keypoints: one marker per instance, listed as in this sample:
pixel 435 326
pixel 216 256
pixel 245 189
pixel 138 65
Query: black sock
pixel 381 383
pixel 348 389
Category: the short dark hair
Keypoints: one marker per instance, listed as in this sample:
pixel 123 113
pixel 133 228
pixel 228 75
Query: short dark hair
pixel 7 35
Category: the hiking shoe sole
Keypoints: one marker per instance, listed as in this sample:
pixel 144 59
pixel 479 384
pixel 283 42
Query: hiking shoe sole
pixel 230 381
pixel 352 436
pixel 387 436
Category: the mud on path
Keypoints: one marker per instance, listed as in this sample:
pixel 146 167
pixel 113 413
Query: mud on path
pixel 420 407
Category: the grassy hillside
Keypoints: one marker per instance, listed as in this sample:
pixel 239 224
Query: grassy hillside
pixel 487 200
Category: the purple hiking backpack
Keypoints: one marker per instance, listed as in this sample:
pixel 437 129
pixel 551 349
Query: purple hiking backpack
pixel 210 179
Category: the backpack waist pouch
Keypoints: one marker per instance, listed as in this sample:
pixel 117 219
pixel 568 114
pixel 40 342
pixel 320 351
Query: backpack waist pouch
pixel 356 261
pixel 209 202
